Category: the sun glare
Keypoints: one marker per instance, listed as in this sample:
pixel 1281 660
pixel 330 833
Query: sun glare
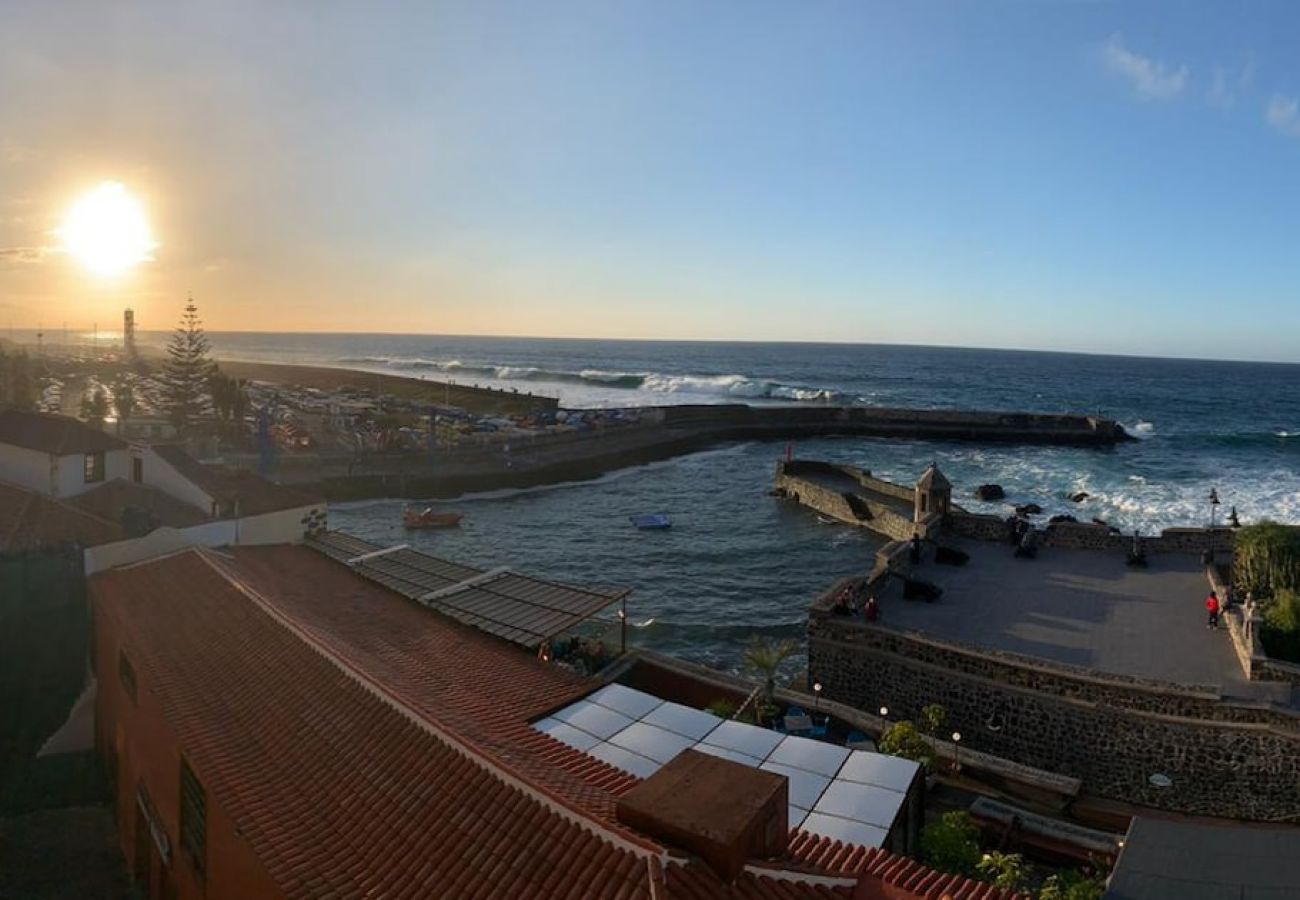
pixel 107 231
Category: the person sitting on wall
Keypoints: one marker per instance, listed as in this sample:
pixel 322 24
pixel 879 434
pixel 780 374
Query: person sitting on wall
pixel 1212 608
pixel 843 602
pixel 1137 556
pixel 914 554
pixel 1028 548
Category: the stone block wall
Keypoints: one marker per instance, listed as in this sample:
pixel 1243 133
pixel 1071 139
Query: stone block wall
pixel 1243 763
pixel 840 505
pixel 880 486
pixel 977 526
pixel 1090 536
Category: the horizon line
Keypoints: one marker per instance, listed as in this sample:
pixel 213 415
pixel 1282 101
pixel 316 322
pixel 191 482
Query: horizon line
pixel 747 341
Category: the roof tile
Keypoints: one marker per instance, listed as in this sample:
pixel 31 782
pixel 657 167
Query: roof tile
pixel 367 747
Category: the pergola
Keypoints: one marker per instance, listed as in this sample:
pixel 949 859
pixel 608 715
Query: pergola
pixel 519 608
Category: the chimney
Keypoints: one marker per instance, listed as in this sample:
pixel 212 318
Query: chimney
pixel 722 811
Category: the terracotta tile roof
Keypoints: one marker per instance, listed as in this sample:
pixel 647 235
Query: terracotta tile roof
pixel 904 876
pixel 366 747
pixel 254 494
pixel 29 520
pixel 333 781
pixel 697 882
pixel 112 498
pixel 59 435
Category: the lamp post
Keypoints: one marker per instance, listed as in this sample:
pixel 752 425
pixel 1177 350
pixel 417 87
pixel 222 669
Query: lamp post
pixel 956 751
pixel 817 694
pixel 884 721
pixel 1214 505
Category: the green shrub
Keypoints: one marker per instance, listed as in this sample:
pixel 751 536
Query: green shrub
pixel 905 739
pixel 1281 631
pixel 1073 885
pixel 1005 870
pixel 723 709
pixel 1266 559
pixel 951 844
pixel 932 718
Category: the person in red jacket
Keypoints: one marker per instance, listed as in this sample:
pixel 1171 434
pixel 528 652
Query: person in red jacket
pixel 1212 607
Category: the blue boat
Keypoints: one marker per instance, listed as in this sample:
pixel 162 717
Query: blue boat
pixel 652 522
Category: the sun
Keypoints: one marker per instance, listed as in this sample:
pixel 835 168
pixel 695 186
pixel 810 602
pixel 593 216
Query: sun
pixel 107 230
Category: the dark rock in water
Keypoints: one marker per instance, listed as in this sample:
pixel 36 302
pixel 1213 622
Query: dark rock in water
pixel 1061 518
pixel 1028 509
pixel 989 492
pixel 1079 496
pixel 1102 522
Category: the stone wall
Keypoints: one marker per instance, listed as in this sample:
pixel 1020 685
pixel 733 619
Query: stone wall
pixel 1238 761
pixel 977 526
pixel 848 507
pixel 861 476
pixel 1090 536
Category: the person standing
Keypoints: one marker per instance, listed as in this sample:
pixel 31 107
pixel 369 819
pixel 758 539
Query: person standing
pixel 1212 608
pixel 915 552
pixel 871 611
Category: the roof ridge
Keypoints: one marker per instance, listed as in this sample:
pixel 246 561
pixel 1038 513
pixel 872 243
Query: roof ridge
pixel 35 501
pixel 497 769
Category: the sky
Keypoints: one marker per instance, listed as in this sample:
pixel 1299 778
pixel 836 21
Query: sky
pixel 1093 176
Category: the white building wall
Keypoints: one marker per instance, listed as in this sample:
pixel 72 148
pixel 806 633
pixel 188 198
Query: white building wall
pixel 284 526
pixel 161 474
pixel 70 471
pixel 158 542
pixel 281 527
pixel 31 469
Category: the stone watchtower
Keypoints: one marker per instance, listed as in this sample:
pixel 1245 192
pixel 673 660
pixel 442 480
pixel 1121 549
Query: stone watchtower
pixel 933 494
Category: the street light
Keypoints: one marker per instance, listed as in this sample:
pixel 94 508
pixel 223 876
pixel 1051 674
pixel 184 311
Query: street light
pixel 817 692
pixel 956 751
pixel 1214 505
pixel 884 721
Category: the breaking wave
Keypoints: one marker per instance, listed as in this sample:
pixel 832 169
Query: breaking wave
pixel 738 386
pixel 1141 429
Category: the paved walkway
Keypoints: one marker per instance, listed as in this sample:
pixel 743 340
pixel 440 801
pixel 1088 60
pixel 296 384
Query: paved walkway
pixel 1081 608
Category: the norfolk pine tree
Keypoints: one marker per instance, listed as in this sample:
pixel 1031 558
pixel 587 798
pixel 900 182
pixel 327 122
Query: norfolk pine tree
pixel 187 369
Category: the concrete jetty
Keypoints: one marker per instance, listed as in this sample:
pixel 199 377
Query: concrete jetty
pixel 743 422
pixel 661 433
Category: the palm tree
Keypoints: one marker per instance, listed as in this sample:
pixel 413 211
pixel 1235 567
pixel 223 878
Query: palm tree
pixel 764 658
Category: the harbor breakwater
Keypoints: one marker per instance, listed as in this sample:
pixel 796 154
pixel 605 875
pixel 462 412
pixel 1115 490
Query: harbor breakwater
pixel 660 433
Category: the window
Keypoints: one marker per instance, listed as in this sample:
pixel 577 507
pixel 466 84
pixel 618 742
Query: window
pixel 94 467
pixel 194 821
pixel 126 673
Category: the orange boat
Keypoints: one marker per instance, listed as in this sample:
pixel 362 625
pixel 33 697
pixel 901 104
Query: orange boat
pixel 414 517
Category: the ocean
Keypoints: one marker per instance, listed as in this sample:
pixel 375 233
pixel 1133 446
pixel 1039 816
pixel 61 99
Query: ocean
pixel 739 562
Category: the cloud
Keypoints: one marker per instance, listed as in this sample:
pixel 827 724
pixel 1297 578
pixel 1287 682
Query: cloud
pixel 12 152
pixel 1226 87
pixel 1151 79
pixel 1283 113
pixel 16 256
pixel 1220 94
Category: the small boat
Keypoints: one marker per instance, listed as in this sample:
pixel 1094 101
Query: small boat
pixel 416 517
pixel 652 522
